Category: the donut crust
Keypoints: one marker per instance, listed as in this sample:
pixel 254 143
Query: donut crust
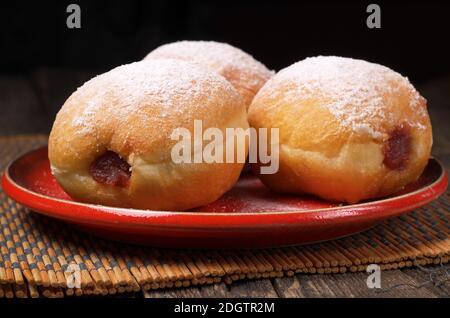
pixel 132 111
pixel 335 117
pixel 245 73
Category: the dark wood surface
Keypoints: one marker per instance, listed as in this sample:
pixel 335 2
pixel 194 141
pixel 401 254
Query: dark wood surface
pixel 29 103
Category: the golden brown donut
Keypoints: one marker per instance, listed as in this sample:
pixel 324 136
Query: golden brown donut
pixel 245 73
pixel 111 141
pixel 349 130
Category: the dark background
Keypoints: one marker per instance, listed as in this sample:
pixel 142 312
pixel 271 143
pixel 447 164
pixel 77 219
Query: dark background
pixel 36 45
pixel 412 38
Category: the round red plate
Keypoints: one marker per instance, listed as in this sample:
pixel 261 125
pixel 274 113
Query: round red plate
pixel 249 215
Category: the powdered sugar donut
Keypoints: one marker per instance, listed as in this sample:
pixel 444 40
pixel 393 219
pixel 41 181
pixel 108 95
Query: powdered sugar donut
pixel 349 129
pixel 245 73
pixel 111 141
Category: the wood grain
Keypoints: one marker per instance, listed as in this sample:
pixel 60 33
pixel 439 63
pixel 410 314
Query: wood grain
pixel 253 289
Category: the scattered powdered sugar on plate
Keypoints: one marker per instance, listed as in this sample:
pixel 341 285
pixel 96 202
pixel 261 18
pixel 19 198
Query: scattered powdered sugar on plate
pixel 354 89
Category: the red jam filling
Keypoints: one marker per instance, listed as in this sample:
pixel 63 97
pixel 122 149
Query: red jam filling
pixel 110 169
pixel 397 149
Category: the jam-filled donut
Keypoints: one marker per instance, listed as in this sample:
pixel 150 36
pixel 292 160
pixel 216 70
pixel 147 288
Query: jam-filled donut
pixel 245 73
pixel 111 142
pixel 349 130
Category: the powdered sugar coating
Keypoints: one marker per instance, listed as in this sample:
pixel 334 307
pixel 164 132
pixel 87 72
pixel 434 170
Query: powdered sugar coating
pixel 354 91
pixel 237 66
pixel 171 84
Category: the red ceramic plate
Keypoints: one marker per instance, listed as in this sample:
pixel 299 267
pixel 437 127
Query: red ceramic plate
pixel 249 215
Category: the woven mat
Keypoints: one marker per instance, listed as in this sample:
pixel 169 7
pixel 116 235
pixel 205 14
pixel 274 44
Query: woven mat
pixel 37 252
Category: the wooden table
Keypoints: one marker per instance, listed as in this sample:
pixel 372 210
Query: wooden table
pixel 28 104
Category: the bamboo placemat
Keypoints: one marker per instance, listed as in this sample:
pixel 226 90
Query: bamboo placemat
pixel 36 251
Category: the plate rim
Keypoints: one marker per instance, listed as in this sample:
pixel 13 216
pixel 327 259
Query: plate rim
pixel 366 210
